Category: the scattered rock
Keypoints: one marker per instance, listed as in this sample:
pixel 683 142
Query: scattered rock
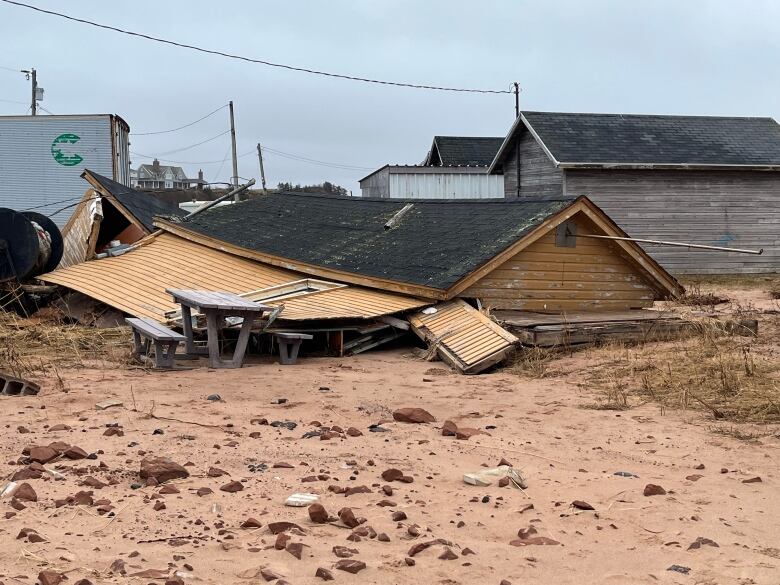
pixel 204 491
pixel 295 549
pixel 392 475
pixel 679 569
pixel 699 467
pixel 344 552
pixel 694 477
pixel 162 469
pixel 652 489
pixel 42 455
pixel 232 487
pixel 752 480
pixel 448 554
pixel 216 472
pixel 75 453
pixel 413 415
pixel 318 514
pixel 449 429
pixel 251 523
pixel 324 574
pixel 361 489
pixel 25 493
pixel 350 566
pixel 701 541
pixel 168 490
pixel 580 505
pixel 49 577
pixel 347 516
pixel 283 465
pixel 399 516
pixel 527 537
pixel 353 432
pixel 278 527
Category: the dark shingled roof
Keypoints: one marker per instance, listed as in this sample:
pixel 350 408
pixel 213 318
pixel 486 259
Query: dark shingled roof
pixel 657 140
pixel 475 151
pixel 143 206
pixel 435 243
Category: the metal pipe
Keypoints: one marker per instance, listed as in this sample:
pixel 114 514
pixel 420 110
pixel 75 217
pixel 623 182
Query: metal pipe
pixel 678 244
pixel 211 204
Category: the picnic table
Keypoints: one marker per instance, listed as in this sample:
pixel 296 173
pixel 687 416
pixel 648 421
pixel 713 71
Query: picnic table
pixel 216 306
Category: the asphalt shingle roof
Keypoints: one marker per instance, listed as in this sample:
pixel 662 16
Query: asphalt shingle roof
pixel 435 243
pixel 467 150
pixel 641 139
pixel 142 205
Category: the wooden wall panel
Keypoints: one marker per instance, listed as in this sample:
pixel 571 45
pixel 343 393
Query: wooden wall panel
pixel 738 209
pixel 594 275
pixel 537 174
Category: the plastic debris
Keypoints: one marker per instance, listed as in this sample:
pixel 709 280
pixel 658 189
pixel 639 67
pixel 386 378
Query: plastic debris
pixel 8 489
pixel 486 477
pixel 625 474
pixel 301 500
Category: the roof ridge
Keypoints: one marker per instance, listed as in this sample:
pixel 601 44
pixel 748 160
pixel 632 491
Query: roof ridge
pixel 625 115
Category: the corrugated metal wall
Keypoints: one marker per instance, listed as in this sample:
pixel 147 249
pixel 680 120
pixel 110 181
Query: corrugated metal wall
pixel 446 186
pixel 42 158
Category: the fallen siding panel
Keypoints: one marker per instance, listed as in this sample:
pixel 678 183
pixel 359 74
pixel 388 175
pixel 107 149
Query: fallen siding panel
pixel 347 302
pixel 135 282
pixel 463 337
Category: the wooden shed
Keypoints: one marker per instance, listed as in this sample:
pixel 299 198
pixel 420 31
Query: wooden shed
pixel 534 255
pixel 702 180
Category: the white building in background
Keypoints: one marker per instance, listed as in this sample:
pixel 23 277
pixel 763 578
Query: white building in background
pixel 157 176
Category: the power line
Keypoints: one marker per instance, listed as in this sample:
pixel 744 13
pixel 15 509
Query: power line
pixel 180 127
pixel 10 69
pixel 334 165
pixel 187 162
pixel 251 60
pixel 193 145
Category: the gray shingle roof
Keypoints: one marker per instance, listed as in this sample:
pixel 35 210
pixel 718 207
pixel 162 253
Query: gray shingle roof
pixel 143 206
pixel 657 140
pixel 465 150
pixel 435 244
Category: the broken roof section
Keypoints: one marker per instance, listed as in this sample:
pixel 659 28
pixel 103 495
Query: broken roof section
pixel 424 251
pixel 135 283
pixel 137 207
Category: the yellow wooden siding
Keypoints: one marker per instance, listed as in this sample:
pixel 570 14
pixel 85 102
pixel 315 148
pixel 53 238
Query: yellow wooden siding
pixel 347 302
pixel 594 275
pixel 135 282
pixel 464 336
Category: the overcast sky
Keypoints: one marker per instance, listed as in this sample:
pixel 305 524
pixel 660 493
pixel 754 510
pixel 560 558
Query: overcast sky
pixel 666 57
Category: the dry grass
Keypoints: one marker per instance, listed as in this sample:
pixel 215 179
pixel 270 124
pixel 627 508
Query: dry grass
pixel 734 378
pixel 35 345
pixel 534 362
pixel 695 297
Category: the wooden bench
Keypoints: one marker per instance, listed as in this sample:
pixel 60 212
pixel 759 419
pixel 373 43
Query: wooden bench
pixel 146 331
pixel 289 344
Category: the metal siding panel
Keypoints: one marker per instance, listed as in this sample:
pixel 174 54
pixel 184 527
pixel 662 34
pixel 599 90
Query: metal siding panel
pixel 446 186
pixel 30 177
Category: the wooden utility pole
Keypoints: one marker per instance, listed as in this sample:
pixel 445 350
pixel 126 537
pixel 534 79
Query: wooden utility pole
pixel 262 170
pixel 517 99
pixel 234 178
pixel 34 103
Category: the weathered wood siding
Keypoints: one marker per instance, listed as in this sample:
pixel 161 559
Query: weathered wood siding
pixel 537 174
pixel 594 275
pixel 739 209
pixel 377 185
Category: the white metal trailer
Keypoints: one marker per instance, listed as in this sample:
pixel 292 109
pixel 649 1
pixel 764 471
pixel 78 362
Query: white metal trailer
pixel 42 158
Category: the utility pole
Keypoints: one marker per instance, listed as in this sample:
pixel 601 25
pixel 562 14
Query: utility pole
pixel 262 170
pixel 517 99
pixel 37 92
pixel 234 178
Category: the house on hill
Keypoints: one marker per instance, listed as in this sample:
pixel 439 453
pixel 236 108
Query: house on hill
pixel 695 179
pixel 157 176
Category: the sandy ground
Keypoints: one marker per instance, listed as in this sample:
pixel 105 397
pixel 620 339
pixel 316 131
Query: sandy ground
pixel 567 451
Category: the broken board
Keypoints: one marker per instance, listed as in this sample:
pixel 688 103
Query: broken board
pixel 579 328
pixel 462 336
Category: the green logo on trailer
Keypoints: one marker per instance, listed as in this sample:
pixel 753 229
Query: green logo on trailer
pixel 60 148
